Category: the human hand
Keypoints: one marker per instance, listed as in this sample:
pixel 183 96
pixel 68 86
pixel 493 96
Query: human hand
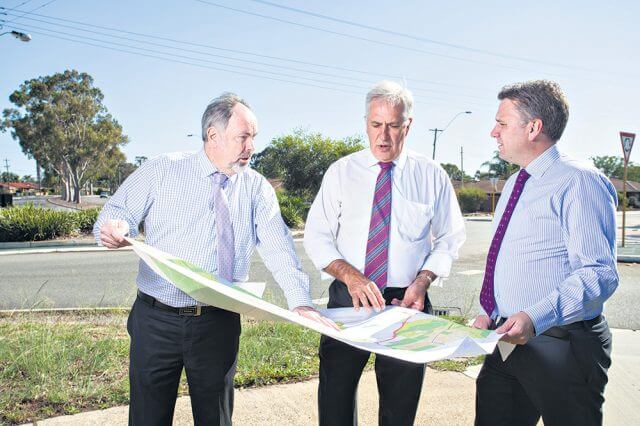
pixel 482 322
pixel 112 234
pixel 518 329
pixel 365 292
pixel 414 295
pixel 313 314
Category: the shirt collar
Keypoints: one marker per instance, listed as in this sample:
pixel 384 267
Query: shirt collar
pixel 398 162
pixel 542 162
pixel 208 168
pixel 206 165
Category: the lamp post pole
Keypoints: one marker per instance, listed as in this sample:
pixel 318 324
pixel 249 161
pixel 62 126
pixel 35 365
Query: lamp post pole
pixel 436 130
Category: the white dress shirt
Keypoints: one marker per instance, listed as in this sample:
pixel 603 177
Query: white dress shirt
pixel 426 227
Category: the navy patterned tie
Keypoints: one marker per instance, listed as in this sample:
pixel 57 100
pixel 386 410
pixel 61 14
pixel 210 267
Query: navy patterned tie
pixel 487 297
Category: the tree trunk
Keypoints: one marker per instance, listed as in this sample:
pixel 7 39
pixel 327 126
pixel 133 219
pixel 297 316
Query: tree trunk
pixel 75 182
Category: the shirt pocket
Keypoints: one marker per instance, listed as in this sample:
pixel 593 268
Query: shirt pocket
pixel 413 220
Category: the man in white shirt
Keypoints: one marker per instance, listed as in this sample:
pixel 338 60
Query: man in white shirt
pixel 385 224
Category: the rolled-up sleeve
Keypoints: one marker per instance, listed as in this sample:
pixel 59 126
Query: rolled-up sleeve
pixel 322 224
pixel 447 229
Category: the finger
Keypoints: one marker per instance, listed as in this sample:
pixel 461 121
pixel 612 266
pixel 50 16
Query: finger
pixel 356 302
pixel 418 305
pixel 505 327
pixel 107 242
pixel 372 299
pixel 330 323
pixel 378 294
pixel 395 302
pixel 365 302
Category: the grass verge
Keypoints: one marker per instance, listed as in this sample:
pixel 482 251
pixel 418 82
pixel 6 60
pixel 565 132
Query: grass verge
pixel 64 363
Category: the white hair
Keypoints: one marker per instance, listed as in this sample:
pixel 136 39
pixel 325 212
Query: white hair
pixel 394 94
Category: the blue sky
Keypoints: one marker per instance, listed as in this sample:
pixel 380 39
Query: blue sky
pixel 455 56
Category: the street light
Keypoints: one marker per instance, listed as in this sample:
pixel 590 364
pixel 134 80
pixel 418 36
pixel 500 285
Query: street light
pixel 436 130
pixel 19 35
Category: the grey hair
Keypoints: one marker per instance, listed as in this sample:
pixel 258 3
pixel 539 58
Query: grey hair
pixel 219 111
pixel 540 99
pixel 393 93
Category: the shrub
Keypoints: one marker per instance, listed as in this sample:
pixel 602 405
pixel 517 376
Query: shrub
pixel 85 220
pixel 471 199
pixel 293 209
pixel 30 223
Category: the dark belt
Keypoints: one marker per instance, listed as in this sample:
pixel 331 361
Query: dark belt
pixel 188 311
pixel 562 331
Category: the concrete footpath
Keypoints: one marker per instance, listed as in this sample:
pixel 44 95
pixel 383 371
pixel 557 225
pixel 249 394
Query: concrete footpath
pixel 447 398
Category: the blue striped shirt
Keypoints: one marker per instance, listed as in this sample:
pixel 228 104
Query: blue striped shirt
pixel 173 194
pixel 557 262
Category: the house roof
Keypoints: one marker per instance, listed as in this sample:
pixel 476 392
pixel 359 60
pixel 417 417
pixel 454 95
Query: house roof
pixel 19 185
pixel 631 185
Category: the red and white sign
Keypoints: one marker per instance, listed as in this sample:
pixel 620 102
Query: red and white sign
pixel 626 139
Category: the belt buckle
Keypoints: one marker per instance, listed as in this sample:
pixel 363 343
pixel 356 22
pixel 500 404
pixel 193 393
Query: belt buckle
pixel 190 311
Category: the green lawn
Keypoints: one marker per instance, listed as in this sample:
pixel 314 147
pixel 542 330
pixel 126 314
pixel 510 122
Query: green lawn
pixel 54 364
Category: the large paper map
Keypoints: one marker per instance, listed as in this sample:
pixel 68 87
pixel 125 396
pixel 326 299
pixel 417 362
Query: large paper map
pixel 397 332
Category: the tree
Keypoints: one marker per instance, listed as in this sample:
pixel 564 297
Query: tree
pixel 454 172
pixel 9 177
pixel 61 122
pixel 610 165
pixel 301 159
pixel 497 167
pixel 613 167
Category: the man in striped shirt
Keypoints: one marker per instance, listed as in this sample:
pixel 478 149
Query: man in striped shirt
pixel 550 268
pixel 210 209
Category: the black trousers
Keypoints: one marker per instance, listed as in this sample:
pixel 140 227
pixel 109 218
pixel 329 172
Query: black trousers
pixel 561 379
pixel 162 343
pixel 341 365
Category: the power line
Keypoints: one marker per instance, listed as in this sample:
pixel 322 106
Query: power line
pixel 242 52
pixel 417 38
pixel 26 13
pixel 369 40
pixel 415 89
pixel 171 58
pixel 20 5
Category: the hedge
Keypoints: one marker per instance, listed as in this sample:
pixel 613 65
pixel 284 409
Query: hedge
pixel 30 223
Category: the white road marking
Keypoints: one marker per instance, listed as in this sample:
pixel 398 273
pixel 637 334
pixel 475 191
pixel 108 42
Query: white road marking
pixel 472 272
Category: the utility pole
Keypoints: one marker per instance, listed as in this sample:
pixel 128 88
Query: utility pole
pixel 462 167
pixel 6 166
pixel 435 138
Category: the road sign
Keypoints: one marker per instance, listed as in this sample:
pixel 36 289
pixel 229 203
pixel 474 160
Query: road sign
pixel 626 139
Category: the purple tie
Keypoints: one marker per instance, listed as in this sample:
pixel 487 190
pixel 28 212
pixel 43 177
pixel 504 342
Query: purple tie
pixel 224 228
pixel 375 265
pixel 487 298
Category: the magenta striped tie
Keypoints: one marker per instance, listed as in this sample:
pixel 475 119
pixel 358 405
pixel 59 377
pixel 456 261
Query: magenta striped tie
pixel 375 265
pixel 487 297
